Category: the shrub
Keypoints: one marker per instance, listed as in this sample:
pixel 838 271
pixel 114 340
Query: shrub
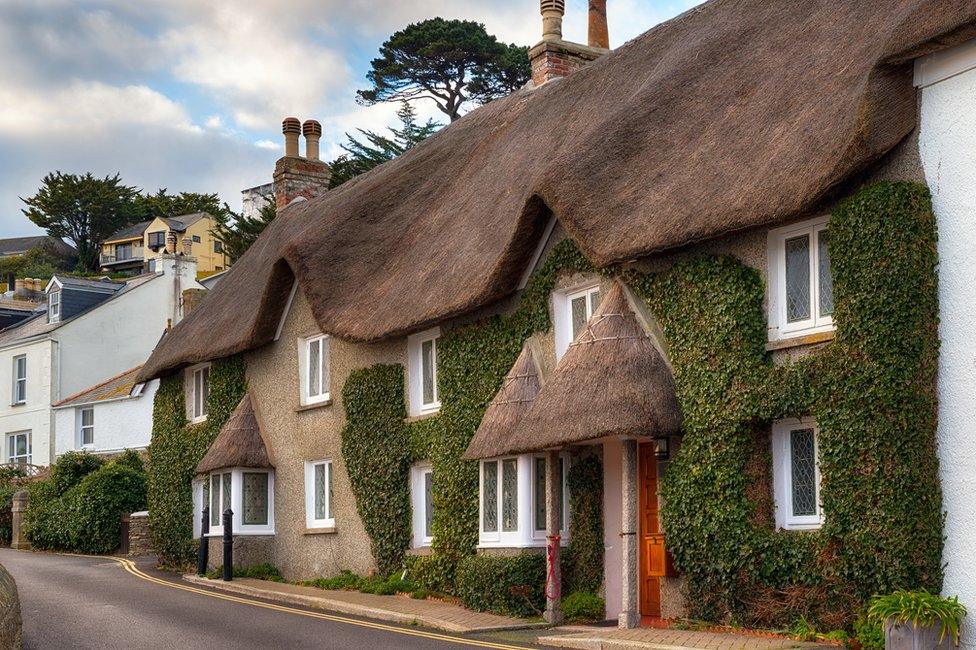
pixel 79 509
pixel 346 580
pixel 583 607
pixel 869 634
pixel 919 608
pixel 420 594
pixel 130 459
pixel 504 585
pixel 262 571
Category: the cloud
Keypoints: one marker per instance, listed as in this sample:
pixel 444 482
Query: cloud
pixel 270 145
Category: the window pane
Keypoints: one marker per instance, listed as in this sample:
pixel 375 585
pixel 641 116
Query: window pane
pixel 595 297
pixel 87 417
pixel 329 501
pixel 509 495
pixel 255 498
pixel 22 445
pixel 540 493
pixel 489 497
pixel 803 462
pixel 428 504
pixel 205 375
pixel 21 367
pixel 826 282
pixel 427 370
pixel 227 492
pixel 215 500
pixel 578 314
pixel 314 368
pixel 320 491
pixel 196 393
pixel 797 278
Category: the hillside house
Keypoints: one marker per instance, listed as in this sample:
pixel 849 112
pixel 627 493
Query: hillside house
pixel 87 332
pixel 133 249
pixel 702 267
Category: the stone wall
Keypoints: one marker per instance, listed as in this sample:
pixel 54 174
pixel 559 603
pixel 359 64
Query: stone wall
pixel 139 534
pixel 10 621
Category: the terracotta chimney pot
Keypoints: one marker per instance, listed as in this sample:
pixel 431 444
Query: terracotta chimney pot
pixel 598 33
pixel 188 246
pixel 312 131
pixel 552 19
pixel 171 242
pixel 292 128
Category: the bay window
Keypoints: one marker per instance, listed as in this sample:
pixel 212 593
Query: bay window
pixel 249 493
pixel 512 501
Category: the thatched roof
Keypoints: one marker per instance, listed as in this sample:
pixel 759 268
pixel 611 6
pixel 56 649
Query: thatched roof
pixel 506 410
pixel 736 114
pixel 239 443
pixel 612 381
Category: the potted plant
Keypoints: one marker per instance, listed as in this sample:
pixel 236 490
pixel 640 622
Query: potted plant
pixel 917 620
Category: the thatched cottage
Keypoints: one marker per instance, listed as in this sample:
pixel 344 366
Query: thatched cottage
pixel 673 308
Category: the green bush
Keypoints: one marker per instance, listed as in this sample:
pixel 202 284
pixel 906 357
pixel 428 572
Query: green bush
pixel 86 517
pixel 264 571
pixel 919 608
pixel 870 634
pixel 504 585
pixel 346 580
pixel 583 607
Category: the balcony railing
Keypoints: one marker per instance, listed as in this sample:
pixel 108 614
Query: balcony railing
pixel 107 260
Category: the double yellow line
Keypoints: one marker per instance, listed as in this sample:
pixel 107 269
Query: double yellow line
pixel 131 567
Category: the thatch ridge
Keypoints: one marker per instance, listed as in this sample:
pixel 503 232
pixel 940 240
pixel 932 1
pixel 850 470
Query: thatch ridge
pixel 739 114
pixel 612 381
pixel 510 404
pixel 240 442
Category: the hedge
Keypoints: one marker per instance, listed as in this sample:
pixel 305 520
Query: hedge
pixel 511 586
pixel 79 507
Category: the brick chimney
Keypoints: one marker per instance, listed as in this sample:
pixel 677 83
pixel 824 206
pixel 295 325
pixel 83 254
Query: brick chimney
pixel 295 176
pixel 553 58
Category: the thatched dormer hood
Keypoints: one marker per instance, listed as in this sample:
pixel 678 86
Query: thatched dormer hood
pixel 240 442
pixel 736 114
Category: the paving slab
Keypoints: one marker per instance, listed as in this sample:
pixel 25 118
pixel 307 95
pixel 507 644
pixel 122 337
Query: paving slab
pixel 657 639
pixel 395 609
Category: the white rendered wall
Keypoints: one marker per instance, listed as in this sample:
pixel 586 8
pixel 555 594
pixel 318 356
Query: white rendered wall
pixel 119 424
pixel 35 414
pixel 612 516
pixel 947 143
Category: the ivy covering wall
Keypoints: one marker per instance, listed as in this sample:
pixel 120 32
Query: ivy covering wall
pixel 871 390
pixel 176 448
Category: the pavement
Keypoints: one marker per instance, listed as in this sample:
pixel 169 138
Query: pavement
pixel 102 602
pixel 664 639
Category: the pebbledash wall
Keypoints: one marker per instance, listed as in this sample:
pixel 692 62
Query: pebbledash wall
pixel 947 144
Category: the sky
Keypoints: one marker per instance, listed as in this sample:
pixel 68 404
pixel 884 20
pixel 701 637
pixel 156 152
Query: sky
pixel 189 94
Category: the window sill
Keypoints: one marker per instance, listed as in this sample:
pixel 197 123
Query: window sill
pixel 314 405
pixel 198 421
pixel 801 340
pixel 422 416
pixel 325 530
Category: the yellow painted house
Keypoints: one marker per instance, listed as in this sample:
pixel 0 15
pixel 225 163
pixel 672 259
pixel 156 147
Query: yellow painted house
pixel 133 249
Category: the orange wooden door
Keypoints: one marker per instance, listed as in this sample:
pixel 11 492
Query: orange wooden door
pixel 652 558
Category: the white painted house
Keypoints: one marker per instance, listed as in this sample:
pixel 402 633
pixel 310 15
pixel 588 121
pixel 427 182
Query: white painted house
pixel 90 332
pixel 947 145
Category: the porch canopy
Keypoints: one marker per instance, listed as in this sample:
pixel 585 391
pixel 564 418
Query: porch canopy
pixel 612 381
pixel 240 442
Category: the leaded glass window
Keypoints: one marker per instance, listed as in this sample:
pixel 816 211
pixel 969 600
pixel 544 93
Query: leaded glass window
pixel 803 472
pixel 825 282
pixel 797 278
pixel 428 503
pixel 226 492
pixel 509 495
pixel 314 367
pixel 320 492
pixel 428 360
pixel 489 497
pixel 215 500
pixel 255 498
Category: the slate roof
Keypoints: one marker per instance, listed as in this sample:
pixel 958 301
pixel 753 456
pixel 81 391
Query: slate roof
pixel 129 232
pixel 113 388
pixel 20 245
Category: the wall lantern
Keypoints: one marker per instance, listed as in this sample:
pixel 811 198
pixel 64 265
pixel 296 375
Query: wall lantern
pixel 661 449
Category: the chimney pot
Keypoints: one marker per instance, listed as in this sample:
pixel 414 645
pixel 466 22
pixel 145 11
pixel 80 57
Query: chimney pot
pixel 312 131
pixel 171 242
pixel 292 128
pixel 188 246
pixel 552 19
pixel 598 33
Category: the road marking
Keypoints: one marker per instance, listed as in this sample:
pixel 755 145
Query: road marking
pixel 131 567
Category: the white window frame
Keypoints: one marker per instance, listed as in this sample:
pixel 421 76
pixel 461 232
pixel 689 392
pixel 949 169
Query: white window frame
pixel 190 379
pixel 54 306
pixel 539 533
pixel 778 327
pixel 310 520
pixel 81 426
pixel 19 392
pixel 415 379
pixel 525 534
pixel 15 459
pixel 237 503
pixel 418 503
pixel 783 475
pixel 562 309
pixel 304 365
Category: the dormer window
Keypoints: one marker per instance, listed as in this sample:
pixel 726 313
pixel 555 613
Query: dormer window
pixel 54 306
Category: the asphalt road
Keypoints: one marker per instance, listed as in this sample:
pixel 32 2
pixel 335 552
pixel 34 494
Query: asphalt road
pixel 82 602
